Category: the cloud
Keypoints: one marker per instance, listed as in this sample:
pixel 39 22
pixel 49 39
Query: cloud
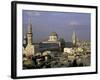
pixel 33 13
pixel 36 13
pixel 57 13
pixel 73 23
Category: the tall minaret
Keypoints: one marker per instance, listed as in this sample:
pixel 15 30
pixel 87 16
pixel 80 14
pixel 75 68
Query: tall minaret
pixel 29 34
pixel 74 39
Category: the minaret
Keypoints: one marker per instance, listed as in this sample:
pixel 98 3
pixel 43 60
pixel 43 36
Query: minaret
pixel 31 48
pixel 29 35
pixel 74 39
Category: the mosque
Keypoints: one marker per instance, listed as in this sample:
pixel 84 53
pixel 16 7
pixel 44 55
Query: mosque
pixel 51 44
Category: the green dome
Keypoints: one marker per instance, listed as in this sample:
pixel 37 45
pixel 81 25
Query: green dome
pixel 53 34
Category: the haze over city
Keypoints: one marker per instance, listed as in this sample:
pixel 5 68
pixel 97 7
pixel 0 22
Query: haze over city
pixel 63 23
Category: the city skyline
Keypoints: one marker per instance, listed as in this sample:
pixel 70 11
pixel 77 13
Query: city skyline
pixel 63 23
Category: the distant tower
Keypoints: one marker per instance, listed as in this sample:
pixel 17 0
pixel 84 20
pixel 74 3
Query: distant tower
pixel 74 40
pixel 29 35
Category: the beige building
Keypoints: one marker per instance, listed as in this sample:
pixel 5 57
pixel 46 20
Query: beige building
pixel 67 50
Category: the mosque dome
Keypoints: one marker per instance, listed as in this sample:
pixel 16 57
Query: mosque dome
pixel 53 37
pixel 53 34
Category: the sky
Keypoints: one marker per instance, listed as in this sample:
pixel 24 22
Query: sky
pixel 63 23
